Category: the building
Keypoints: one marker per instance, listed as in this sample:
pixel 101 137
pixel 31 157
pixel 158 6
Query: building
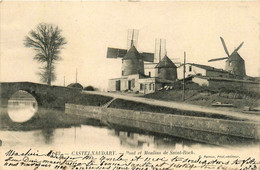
pixel 137 78
pixel 192 69
pixel 226 83
pixel 147 72
pixel 149 68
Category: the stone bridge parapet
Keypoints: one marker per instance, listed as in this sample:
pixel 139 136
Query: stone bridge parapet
pixel 46 96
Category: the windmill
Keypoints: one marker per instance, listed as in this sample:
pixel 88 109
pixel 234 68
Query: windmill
pixel 132 38
pixel 234 62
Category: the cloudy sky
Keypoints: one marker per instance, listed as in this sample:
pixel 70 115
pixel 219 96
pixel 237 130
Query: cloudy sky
pixel 91 27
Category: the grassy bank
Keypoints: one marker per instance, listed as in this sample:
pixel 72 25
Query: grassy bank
pixel 137 106
pixel 88 99
pixel 204 96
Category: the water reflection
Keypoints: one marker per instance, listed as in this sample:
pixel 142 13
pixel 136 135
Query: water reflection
pixel 133 139
pixel 144 140
pixel 48 135
pixel 22 106
pixel 52 128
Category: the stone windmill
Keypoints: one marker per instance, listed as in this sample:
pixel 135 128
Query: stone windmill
pixel 235 64
pixel 132 60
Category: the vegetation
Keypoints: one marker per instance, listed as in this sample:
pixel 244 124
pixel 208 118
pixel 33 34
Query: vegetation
pixel 89 88
pixel 75 85
pixel 131 105
pixel 204 96
pixel 47 42
pixel 50 100
pixel 89 99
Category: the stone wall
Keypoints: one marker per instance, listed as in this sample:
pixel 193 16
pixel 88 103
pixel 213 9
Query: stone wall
pixel 226 127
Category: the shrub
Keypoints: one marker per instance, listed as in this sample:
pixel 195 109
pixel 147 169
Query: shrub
pixel 89 88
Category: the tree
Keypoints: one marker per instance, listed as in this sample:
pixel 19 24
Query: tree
pixel 47 42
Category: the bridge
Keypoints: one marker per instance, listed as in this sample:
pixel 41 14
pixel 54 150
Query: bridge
pixel 45 95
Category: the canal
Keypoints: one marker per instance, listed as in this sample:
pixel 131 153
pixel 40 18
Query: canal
pixel 25 125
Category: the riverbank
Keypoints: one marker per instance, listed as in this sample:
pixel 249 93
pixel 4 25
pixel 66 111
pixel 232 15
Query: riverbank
pixel 211 126
pixel 43 119
pixel 139 101
pixel 138 106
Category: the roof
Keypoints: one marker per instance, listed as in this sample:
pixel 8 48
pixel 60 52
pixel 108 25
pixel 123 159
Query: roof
pixel 132 54
pixel 235 56
pixel 208 68
pixel 165 63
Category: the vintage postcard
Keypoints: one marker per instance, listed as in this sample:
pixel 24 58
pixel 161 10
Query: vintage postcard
pixel 129 85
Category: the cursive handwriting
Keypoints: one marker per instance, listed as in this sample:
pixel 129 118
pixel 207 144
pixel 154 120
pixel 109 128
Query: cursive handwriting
pixel 113 160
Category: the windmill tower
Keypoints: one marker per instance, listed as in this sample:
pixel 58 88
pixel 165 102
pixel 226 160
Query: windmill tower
pixel 164 68
pixel 132 60
pixel 235 64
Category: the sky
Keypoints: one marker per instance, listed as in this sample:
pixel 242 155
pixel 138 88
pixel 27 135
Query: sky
pixel 91 27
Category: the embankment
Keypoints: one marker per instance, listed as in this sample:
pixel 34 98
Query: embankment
pixel 234 128
pixel 139 106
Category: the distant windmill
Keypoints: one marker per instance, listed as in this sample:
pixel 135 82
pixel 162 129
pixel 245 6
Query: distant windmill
pixel 132 39
pixel 234 63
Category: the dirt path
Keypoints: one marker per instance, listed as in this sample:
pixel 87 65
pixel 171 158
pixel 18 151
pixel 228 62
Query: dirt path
pixel 182 106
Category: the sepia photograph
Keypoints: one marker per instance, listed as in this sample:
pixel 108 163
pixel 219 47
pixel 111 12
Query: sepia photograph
pixel 130 85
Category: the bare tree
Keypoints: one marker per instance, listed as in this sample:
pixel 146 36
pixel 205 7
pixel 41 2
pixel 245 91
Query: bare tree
pixel 47 42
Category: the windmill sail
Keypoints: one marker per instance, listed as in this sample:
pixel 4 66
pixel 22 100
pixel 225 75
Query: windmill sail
pixel 160 50
pixel 132 38
pixel 226 50
pixel 224 45
pixel 235 63
pixel 116 52
pixel 120 53
pixel 149 57
pixel 238 47
pixel 216 59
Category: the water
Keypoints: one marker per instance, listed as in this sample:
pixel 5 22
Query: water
pixel 22 106
pixel 21 110
pixel 48 129
pixel 52 128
